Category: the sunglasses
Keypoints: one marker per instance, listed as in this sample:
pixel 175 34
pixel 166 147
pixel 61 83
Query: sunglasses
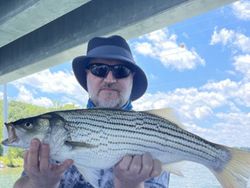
pixel 101 70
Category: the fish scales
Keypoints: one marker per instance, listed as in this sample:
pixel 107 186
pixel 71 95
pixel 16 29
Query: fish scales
pixel 153 127
pixel 98 138
pixel 109 123
pixel 94 123
pixel 196 140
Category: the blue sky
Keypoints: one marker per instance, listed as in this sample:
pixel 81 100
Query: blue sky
pixel 200 67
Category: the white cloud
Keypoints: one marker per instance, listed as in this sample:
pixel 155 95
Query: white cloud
pixel 190 103
pixel 241 9
pixel 234 128
pixel 243 95
pixel 199 103
pixel 145 49
pixel 219 102
pixel 27 96
pixel 236 92
pixel 224 36
pixel 225 87
pixel 164 47
pixel 50 82
pixel 242 64
pixel 59 82
pixel 225 130
pixel 231 39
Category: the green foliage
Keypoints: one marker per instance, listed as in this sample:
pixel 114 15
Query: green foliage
pixel 19 110
pixel 63 107
pixel 14 158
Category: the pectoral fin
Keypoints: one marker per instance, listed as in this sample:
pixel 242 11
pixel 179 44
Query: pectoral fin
pixel 174 168
pixel 79 144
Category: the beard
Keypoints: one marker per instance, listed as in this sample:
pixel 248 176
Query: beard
pixel 111 99
pixel 117 103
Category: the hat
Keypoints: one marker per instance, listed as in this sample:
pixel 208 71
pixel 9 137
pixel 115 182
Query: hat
pixel 114 47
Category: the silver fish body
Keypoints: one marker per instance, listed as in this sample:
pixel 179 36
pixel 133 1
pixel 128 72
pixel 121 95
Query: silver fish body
pixel 116 133
pixel 99 138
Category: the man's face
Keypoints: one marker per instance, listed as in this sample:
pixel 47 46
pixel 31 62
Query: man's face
pixel 109 92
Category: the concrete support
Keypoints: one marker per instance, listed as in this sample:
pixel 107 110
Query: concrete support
pixel 66 37
pixel 19 17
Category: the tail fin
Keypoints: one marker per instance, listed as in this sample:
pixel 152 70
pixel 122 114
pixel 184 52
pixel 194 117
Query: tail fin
pixel 237 172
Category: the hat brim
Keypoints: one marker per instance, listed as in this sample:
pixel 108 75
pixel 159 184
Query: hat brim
pixel 139 81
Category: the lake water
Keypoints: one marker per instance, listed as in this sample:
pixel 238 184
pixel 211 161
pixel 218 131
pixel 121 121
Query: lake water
pixel 195 176
pixel 8 176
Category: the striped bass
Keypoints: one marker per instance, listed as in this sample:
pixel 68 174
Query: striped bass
pixel 98 138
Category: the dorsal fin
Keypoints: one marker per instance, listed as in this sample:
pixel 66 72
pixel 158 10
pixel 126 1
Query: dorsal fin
pixel 166 113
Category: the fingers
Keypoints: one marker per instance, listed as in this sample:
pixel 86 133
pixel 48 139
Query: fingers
pixel 125 163
pixel 36 164
pixel 143 166
pixel 44 158
pixel 33 156
pixel 157 168
pixel 136 165
pixel 147 162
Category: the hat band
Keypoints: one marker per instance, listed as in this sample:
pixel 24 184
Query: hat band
pixel 102 51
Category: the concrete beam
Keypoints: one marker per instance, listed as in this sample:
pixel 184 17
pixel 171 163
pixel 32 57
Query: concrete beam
pixel 66 37
pixel 19 17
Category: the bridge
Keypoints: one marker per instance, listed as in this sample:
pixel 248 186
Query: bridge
pixel 38 34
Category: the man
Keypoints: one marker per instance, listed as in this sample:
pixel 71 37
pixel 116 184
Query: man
pixel 109 74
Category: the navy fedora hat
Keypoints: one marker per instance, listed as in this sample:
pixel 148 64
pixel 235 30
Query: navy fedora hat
pixel 113 47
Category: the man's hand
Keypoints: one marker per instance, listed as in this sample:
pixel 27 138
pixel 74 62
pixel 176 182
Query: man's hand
pixel 132 171
pixel 40 172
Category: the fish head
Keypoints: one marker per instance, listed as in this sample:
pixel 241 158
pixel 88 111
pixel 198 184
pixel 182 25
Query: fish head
pixel 21 132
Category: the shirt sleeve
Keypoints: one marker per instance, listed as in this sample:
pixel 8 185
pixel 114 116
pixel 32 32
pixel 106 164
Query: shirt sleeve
pixel 161 181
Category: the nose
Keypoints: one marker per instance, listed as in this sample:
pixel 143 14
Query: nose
pixel 110 78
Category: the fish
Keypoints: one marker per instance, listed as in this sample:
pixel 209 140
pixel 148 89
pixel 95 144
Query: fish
pixel 98 138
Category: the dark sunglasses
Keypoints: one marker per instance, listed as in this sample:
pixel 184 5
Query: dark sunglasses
pixel 101 70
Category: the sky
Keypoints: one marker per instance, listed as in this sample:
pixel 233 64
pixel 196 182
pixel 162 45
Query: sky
pixel 200 67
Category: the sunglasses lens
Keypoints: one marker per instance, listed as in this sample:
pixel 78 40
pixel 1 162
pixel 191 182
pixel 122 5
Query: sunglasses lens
pixel 99 70
pixel 121 71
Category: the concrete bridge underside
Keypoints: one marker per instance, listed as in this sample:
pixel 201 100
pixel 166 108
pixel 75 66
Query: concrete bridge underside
pixel 38 34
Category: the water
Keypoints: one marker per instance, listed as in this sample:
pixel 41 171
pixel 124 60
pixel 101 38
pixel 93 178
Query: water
pixel 195 176
pixel 8 176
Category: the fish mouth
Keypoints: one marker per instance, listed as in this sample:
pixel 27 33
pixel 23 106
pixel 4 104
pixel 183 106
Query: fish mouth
pixel 12 137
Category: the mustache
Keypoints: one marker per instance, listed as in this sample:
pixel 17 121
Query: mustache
pixel 109 86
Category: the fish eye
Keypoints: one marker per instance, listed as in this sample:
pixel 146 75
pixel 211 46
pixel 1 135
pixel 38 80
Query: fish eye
pixel 28 125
